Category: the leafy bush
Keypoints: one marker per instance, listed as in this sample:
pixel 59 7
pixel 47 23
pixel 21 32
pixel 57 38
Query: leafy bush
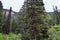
pixel 54 32
pixel 11 36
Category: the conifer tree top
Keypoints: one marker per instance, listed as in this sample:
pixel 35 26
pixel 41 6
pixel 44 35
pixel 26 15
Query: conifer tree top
pixel 1 5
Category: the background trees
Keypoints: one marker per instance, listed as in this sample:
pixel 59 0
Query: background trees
pixel 1 16
pixel 7 27
pixel 56 15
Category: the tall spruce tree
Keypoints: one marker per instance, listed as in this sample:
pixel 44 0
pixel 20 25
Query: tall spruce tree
pixel 36 20
pixel 56 16
pixel 1 16
pixel 6 29
pixel 4 21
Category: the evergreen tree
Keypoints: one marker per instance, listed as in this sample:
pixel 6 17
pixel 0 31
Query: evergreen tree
pixel 14 26
pixel 56 16
pixel 4 21
pixel 1 16
pixel 36 20
pixel 7 27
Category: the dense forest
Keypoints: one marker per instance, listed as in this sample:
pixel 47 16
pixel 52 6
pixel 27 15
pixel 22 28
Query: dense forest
pixel 32 23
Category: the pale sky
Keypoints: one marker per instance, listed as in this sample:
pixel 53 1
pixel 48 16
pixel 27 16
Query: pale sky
pixel 17 4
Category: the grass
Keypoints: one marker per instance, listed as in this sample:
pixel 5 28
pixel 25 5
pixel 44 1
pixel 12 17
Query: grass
pixel 11 36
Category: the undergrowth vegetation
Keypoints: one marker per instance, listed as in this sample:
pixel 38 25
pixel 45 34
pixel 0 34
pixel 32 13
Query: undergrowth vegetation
pixel 54 32
pixel 11 36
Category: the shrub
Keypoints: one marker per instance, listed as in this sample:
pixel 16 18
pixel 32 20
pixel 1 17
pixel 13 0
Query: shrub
pixel 54 32
pixel 11 36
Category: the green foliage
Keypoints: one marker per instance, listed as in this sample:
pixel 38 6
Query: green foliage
pixel 7 26
pixel 14 26
pixel 35 19
pixel 48 17
pixel 11 36
pixel 1 16
pixel 54 32
pixel 56 16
